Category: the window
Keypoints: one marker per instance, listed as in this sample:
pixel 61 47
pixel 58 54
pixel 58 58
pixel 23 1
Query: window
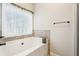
pixel 15 21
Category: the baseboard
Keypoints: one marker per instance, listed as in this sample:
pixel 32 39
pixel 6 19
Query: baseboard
pixel 53 54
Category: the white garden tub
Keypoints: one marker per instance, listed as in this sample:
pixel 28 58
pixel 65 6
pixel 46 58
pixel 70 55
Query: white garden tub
pixel 31 46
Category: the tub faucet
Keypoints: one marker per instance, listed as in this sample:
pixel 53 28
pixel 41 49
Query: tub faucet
pixel 1 44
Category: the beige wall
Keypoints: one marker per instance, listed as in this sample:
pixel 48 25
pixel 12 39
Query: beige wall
pixel 28 6
pixel 62 35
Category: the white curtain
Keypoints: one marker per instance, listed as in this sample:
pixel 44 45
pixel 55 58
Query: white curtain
pixel 15 21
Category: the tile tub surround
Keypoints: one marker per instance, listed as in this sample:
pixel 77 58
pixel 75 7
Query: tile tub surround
pixel 43 33
pixel 6 39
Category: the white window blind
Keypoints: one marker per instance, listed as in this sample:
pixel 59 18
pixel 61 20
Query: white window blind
pixel 15 21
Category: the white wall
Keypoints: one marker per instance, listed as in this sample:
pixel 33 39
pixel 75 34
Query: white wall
pixel 0 19
pixel 62 35
pixel 28 6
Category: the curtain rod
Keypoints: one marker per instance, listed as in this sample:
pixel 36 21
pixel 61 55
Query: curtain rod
pixel 22 7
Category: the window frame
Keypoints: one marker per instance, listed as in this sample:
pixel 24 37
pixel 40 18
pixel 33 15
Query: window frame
pixel 32 21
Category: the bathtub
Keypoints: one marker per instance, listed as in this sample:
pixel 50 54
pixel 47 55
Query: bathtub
pixel 31 46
